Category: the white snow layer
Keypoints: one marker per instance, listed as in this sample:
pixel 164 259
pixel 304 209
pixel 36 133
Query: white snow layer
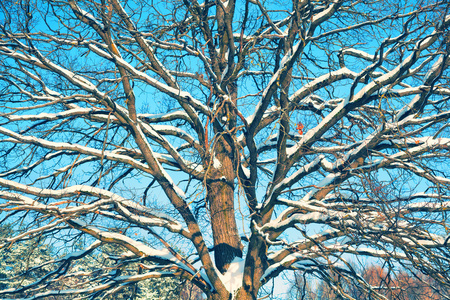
pixel 216 163
pixel 232 279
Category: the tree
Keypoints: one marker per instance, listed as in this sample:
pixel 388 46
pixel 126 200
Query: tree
pixel 256 137
pixel 302 288
pixel 28 260
pixel 18 258
pixel 388 282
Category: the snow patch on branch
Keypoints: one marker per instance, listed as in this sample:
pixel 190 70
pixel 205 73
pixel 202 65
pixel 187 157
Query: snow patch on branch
pixel 50 116
pixel 358 53
pixel 246 171
pixel 138 248
pixel 216 163
pixel 90 17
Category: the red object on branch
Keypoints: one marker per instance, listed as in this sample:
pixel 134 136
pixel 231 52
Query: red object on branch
pixel 300 128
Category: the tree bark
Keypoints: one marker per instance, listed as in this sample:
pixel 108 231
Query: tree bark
pixel 220 197
pixel 255 266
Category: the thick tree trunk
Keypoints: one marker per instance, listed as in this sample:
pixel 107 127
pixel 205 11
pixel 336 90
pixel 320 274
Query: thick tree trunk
pixel 255 266
pixel 220 197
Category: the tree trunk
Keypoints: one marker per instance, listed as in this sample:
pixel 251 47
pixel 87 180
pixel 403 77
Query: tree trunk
pixel 255 266
pixel 220 197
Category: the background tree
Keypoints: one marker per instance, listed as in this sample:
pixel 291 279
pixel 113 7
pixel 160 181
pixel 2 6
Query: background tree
pixel 274 136
pixel 30 262
pixel 390 283
pixel 20 259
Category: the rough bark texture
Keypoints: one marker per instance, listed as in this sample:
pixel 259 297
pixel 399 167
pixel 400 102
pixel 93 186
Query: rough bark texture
pixel 220 197
pixel 255 265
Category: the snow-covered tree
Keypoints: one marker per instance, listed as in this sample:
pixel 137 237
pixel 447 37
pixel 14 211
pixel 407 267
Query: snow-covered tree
pixel 255 136
pixel 25 258
pixel 393 284
pixel 24 262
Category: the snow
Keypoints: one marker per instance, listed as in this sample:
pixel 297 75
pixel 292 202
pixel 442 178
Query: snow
pixel 316 215
pixel 403 92
pixel 146 250
pixel 431 74
pixel 244 37
pixel 358 53
pixel 216 163
pixel 174 157
pixel 273 79
pixel 303 205
pixel 329 179
pixel 196 167
pixel 246 171
pixel 291 150
pixel 80 222
pixel 399 69
pixel 161 170
pixel 406 108
pixel 165 116
pixel 434 68
pixel 323 124
pixel 428 205
pixel 286 57
pixel 66 192
pixel 80 253
pixel 425 143
pixel 325 13
pixel 99 51
pixel 137 247
pixel 275 266
pixel 370 251
pixel 299 173
pixel 232 279
pixel 159 219
pixel 250 118
pixel 224 73
pixel 158 127
pixel 50 116
pixel 327 165
pixel 19 199
pixel 30 167
pixel 90 17
pixel 148 221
